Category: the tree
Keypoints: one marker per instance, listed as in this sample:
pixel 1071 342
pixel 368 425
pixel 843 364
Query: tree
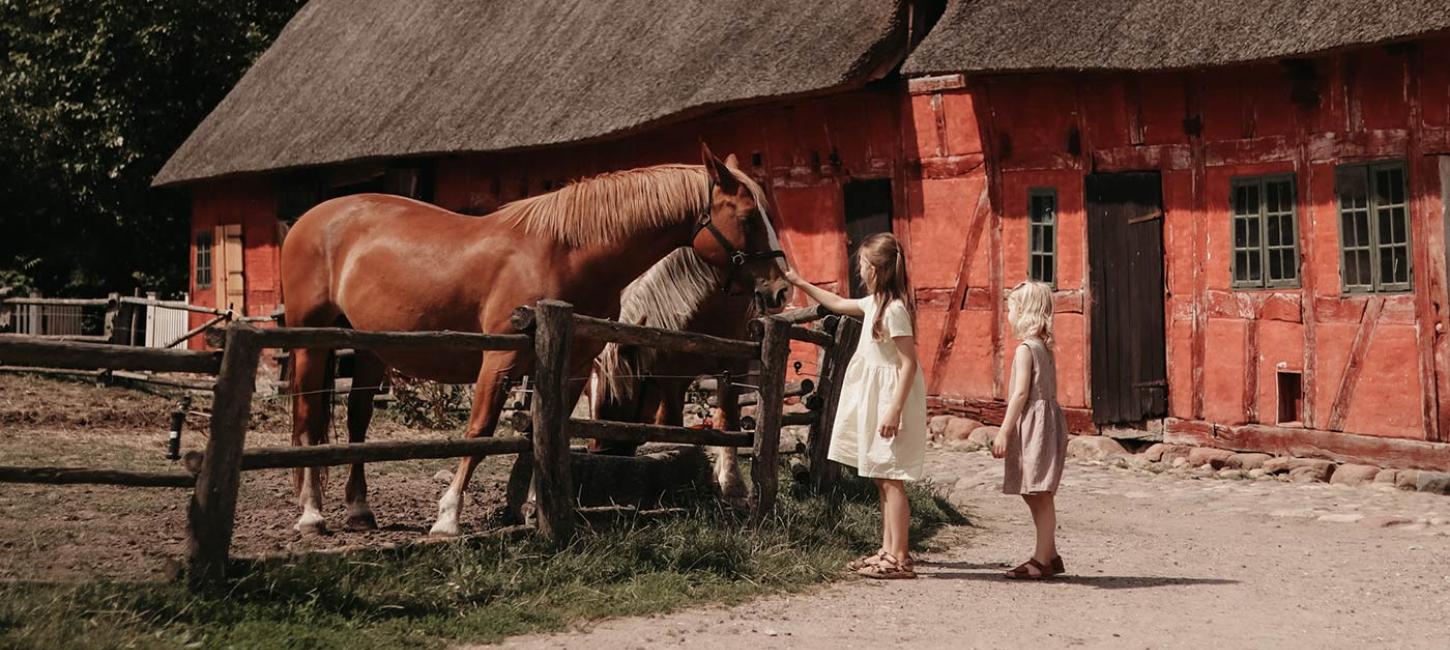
pixel 94 96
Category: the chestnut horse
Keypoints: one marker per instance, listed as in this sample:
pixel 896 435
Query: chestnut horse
pixel 386 263
pixel 641 384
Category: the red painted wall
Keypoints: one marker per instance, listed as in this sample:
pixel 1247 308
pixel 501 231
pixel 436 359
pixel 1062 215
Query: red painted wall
pixel 1049 130
pixel 250 203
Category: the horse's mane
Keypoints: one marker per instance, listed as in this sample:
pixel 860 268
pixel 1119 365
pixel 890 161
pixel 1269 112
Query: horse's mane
pixel 667 296
pixel 608 208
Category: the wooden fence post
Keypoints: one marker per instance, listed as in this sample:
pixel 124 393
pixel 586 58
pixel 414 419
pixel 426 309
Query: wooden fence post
pixel 553 482
pixel 832 368
pixel 214 504
pixel 774 356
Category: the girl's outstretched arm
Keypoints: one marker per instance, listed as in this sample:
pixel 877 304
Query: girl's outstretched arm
pixel 829 300
pixel 1021 386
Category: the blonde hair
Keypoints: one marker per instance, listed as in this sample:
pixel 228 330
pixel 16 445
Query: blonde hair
pixel 888 281
pixel 1031 302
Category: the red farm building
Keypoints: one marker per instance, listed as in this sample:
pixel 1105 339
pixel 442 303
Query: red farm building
pixel 1241 210
pixel 1241 205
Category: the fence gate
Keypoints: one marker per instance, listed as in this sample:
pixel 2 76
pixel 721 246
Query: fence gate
pixel 165 324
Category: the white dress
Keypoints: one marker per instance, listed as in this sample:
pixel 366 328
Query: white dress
pixel 866 394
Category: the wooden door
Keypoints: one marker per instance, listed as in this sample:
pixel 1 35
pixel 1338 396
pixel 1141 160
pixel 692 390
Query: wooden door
pixel 1125 256
pixel 868 211
pixel 228 270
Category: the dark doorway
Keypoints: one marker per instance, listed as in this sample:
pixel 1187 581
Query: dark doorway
pixel 1125 256
pixel 868 211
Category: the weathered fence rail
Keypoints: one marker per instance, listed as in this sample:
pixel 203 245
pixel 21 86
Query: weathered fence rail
pixel 548 328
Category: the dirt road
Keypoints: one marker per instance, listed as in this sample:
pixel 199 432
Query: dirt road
pixel 1158 561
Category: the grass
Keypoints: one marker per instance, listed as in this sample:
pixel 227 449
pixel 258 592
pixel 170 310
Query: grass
pixel 479 591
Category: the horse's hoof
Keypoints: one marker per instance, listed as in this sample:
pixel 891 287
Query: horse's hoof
pixel 361 522
pixel 444 529
pixel 308 526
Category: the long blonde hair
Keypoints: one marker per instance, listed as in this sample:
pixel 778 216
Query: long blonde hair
pixel 888 280
pixel 1031 303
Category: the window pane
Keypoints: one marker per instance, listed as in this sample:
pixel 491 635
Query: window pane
pixel 1256 272
pixel 1365 273
pixel 1241 233
pixel 1048 275
pixel 1361 229
pixel 1241 266
pixel 1049 238
pixel 1276 265
pixel 1036 244
pixel 1286 231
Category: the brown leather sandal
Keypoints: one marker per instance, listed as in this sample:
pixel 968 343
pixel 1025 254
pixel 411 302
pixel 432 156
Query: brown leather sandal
pixel 1057 566
pixel 865 560
pixel 1024 571
pixel 875 559
pixel 888 569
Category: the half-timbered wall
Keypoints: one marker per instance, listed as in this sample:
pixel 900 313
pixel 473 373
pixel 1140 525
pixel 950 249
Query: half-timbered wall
pixel 1369 363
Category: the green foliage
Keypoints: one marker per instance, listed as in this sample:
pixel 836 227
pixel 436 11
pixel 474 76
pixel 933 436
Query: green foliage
pixel 480 590
pixel 429 404
pixel 94 96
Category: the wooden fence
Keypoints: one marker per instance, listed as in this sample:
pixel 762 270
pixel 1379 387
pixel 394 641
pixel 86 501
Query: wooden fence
pixel 115 319
pixel 548 329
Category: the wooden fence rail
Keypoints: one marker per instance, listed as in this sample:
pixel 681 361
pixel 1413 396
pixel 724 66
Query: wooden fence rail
pixel 549 329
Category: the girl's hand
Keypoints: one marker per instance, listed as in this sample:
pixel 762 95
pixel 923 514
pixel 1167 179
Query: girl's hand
pixel 890 422
pixel 792 277
pixel 999 445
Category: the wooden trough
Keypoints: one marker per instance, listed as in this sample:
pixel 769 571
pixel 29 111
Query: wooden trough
pixel 548 328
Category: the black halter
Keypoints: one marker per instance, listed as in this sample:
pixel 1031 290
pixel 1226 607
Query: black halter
pixel 738 258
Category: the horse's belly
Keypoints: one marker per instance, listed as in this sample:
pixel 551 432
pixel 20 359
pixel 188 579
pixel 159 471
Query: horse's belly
pixel 448 366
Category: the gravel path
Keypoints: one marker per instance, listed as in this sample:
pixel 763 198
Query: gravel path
pixel 1157 561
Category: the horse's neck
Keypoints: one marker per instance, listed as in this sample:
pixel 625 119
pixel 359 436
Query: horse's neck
pixel 601 273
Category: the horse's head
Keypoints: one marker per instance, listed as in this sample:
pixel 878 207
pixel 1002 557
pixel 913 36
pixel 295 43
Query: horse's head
pixel 736 233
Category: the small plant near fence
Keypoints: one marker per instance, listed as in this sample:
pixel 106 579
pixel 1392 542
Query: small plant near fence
pixel 427 404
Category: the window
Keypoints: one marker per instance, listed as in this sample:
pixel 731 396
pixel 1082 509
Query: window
pixel 1042 235
pixel 203 259
pixel 1265 235
pixel 1374 234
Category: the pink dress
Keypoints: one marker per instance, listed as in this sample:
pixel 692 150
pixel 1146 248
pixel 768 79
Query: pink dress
pixel 1036 454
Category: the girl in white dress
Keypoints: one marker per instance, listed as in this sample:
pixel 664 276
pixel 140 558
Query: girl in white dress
pixel 880 426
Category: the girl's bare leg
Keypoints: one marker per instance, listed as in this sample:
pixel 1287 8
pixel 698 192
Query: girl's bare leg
pixel 1044 517
pixel 896 512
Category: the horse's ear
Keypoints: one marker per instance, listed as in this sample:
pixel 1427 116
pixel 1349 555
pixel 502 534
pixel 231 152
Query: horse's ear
pixel 732 162
pixel 719 171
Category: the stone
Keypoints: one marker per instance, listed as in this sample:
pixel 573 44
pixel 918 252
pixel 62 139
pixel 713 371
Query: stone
pixel 444 476
pixel 1181 461
pixel 1309 470
pixel 1278 465
pixel 1257 472
pixel 1248 461
pixel 1433 482
pixel 984 436
pixel 1352 474
pixel 1154 452
pixel 963 445
pixel 1139 461
pixel 1407 479
pixel 1386 521
pixel 1346 518
pixel 960 428
pixel 1203 471
pixel 1094 448
pixel 1386 477
pixel 1215 458
pixel 1232 474
pixel 937 426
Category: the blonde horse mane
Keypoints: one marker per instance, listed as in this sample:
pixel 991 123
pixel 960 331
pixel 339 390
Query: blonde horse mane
pixel 667 296
pixel 608 208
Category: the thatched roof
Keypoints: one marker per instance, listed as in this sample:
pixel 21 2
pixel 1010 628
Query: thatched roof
pixel 1021 35
pixel 357 79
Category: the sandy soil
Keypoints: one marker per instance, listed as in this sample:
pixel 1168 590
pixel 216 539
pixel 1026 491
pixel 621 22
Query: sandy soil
pixel 87 532
pixel 1157 561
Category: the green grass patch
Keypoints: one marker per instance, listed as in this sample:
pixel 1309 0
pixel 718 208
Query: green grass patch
pixel 478 590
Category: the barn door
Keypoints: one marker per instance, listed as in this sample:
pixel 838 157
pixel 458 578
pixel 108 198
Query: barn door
pixel 868 211
pixel 228 270
pixel 1125 256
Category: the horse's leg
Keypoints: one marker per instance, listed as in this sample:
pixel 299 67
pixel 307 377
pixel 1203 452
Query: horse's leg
pixel 488 399
pixel 367 381
pixel 726 461
pixel 309 426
